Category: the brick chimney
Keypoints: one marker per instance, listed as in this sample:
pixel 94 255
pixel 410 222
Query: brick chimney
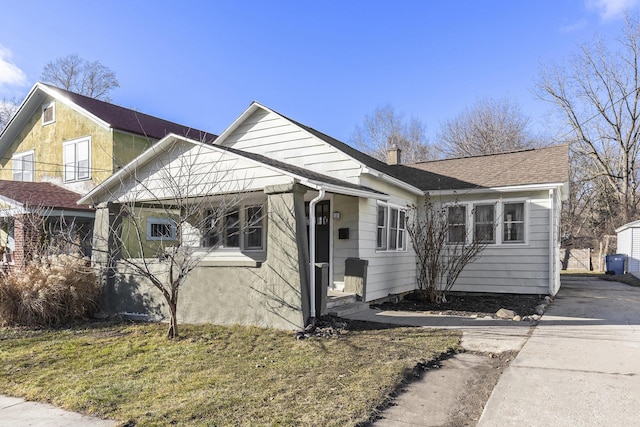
pixel 393 155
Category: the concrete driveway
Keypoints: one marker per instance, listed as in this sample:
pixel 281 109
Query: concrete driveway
pixel 581 365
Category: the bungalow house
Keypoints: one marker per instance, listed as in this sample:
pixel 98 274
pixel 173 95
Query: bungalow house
pixel 75 142
pixel 330 206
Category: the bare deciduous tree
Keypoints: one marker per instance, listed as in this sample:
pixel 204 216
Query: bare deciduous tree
pixel 385 128
pixel 597 95
pixel 79 75
pixel 178 191
pixel 490 126
pixel 443 249
pixel 8 108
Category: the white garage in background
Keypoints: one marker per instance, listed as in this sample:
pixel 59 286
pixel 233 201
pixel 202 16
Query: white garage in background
pixel 629 244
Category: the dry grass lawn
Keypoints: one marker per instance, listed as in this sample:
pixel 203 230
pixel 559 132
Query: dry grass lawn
pixel 214 375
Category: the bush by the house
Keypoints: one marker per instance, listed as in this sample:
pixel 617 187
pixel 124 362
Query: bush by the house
pixel 51 290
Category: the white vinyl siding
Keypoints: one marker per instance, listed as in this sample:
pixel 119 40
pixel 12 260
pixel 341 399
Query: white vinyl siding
pixel 514 267
pixel 389 272
pixel 23 166
pixel 275 137
pixel 77 159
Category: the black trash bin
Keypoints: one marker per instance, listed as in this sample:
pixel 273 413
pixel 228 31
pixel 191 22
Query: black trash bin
pixel 615 263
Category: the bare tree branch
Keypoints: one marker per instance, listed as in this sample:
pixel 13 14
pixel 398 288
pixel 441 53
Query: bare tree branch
pixel 78 75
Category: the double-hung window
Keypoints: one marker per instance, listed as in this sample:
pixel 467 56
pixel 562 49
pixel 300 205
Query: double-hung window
pixel 513 223
pixel 391 228
pixel 241 228
pixel 457 224
pixel 484 223
pixel 23 166
pixel 76 159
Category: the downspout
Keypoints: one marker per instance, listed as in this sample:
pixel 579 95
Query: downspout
pixel 552 251
pixel 312 252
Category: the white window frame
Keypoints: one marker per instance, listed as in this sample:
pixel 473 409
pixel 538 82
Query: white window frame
pixel 525 222
pixel 151 221
pixel 474 223
pixel 75 143
pixel 498 219
pixel 243 229
pixel 20 157
pixel 458 224
pixel 51 105
pixel 395 237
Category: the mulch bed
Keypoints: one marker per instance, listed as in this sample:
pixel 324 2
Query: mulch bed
pixel 465 304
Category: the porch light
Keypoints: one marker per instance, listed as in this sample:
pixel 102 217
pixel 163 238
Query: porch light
pixel 337 215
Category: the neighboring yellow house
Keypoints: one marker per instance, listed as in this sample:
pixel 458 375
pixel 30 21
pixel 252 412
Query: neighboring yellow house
pixel 77 142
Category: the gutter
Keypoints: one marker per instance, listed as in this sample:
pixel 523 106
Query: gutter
pixel 312 254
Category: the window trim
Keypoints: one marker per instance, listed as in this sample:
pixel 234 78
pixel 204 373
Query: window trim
pixel 525 221
pixel 244 225
pixel 387 229
pixel 21 156
pixel 494 222
pixel 76 142
pixel 498 219
pixel 51 104
pixel 164 221
pixel 464 224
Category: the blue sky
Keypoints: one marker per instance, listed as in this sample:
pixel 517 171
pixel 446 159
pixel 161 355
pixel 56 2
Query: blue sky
pixel 324 63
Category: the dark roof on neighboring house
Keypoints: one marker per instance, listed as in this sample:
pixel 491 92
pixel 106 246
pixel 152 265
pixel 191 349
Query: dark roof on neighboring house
pixel 525 167
pixel 132 121
pixel 40 195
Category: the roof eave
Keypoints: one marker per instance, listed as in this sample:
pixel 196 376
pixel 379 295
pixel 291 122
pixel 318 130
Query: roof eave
pixel 395 181
pixel 503 189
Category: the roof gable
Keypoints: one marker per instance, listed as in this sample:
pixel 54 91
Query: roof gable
pixel 109 116
pixel 237 166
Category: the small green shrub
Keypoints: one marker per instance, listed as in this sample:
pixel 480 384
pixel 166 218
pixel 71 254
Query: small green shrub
pixel 51 290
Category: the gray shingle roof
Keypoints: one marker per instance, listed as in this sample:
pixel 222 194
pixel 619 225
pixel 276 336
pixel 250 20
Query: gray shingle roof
pixel 534 166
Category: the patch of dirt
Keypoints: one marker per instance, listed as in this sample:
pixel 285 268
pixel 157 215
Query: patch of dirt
pixel 478 389
pixel 462 304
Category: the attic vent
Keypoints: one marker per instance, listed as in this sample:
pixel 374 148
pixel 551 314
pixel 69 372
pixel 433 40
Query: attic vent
pixel 48 113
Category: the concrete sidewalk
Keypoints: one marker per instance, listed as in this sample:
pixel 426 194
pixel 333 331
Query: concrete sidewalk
pixel 16 412
pixel 581 366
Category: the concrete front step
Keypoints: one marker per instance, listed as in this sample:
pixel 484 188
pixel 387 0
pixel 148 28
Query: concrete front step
pixel 347 309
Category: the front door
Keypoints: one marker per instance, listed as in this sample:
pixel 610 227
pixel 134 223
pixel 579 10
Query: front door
pixel 323 229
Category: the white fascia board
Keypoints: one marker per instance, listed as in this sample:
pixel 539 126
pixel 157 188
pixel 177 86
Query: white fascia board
pixel 12 204
pixel 69 103
pixel 627 225
pixel 18 118
pixel 70 213
pixel 331 188
pixel 507 189
pixel 395 181
pixel 237 122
